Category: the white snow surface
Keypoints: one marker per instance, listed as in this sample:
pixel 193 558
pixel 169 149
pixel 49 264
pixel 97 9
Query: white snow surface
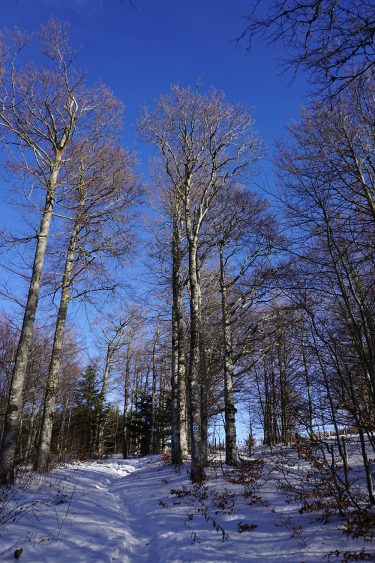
pixel 123 510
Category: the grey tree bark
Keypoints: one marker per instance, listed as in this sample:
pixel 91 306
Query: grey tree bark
pixel 195 388
pixel 183 404
pixel 203 372
pixel 175 437
pixel 179 426
pixel 229 403
pixel 44 443
pixel 10 433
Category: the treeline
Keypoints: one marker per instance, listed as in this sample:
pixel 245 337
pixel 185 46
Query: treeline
pixel 248 309
pixel 85 423
pixel 279 311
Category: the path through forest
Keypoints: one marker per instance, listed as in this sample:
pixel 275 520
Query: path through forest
pixel 144 510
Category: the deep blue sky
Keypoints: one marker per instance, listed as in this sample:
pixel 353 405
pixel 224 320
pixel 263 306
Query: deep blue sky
pixel 140 52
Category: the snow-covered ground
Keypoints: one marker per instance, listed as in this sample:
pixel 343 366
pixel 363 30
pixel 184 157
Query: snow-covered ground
pixel 124 510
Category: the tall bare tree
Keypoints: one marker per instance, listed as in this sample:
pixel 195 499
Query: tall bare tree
pixel 328 175
pixel 103 188
pixel 205 143
pixel 244 233
pixel 40 111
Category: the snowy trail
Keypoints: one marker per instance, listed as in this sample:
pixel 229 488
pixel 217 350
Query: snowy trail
pixel 112 519
pixel 117 511
pixel 96 516
pixel 123 510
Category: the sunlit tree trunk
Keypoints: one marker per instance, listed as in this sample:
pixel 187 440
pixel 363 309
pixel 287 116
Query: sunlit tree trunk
pixel 202 375
pixel 44 445
pixel 9 440
pixel 195 395
pixel 179 426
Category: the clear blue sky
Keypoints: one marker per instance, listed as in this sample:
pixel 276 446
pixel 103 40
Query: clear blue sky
pixel 140 52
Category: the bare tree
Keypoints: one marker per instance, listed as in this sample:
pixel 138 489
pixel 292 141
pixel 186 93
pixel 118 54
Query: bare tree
pixel 103 188
pixel 244 234
pixel 334 40
pixel 328 175
pixel 205 143
pixel 115 341
pixel 40 109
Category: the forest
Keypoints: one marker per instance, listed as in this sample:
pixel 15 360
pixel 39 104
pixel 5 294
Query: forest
pixel 257 323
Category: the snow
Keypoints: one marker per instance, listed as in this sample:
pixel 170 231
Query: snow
pixel 123 510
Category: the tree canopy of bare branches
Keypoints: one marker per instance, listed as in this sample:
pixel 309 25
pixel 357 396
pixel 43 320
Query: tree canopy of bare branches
pixel 332 39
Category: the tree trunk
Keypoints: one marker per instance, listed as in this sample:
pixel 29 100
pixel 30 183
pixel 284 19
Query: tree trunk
pixel 33 426
pixel 310 427
pixel 229 407
pixel 183 406
pixel 99 416
pixel 125 439
pixel 283 391
pixel 179 406
pixel 134 411
pixel 202 376
pixel 195 398
pixel 152 447
pixel 9 440
pixel 175 437
pixel 44 445
pixel 176 344
pixel 268 407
